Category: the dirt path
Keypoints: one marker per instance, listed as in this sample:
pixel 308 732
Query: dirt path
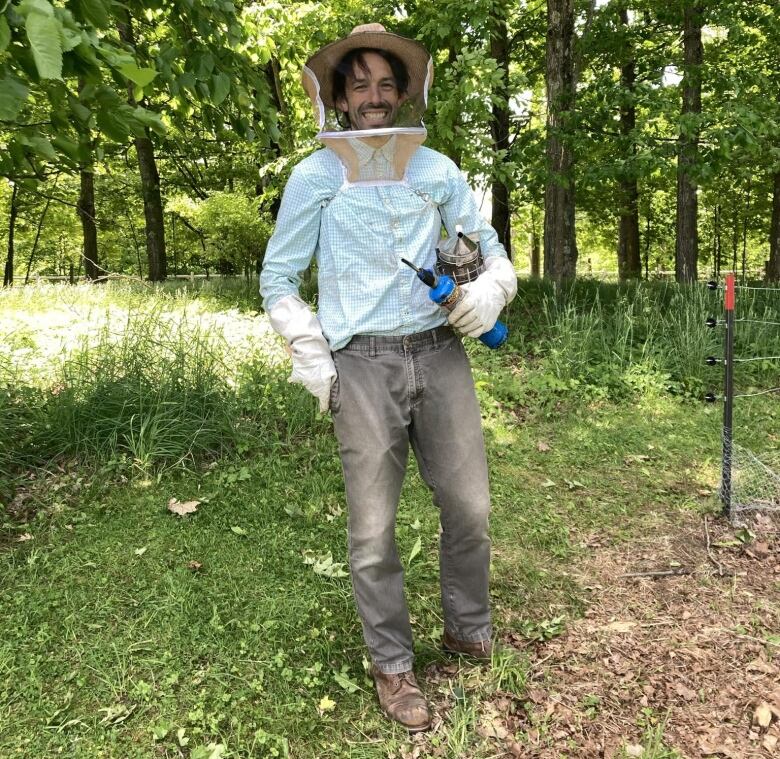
pixel 691 657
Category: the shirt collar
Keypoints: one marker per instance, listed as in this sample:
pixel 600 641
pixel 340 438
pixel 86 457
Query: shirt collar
pixel 366 153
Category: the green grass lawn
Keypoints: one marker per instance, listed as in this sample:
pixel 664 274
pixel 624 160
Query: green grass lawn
pixel 129 631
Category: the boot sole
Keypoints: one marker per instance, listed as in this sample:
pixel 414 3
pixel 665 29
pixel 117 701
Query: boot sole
pixel 410 728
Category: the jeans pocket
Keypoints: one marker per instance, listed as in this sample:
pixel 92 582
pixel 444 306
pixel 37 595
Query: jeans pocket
pixel 335 404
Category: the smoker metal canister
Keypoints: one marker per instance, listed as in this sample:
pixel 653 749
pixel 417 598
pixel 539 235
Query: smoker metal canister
pixel 460 258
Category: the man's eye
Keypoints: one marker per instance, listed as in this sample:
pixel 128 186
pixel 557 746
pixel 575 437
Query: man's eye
pixel 358 87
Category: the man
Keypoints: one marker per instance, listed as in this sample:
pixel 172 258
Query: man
pixel 381 355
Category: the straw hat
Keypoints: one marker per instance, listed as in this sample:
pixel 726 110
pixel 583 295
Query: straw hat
pixel 416 58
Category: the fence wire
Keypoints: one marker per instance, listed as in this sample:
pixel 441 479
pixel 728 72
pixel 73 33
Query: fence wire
pixel 755 480
pixel 749 481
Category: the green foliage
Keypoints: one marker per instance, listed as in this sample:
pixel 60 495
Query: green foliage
pixel 217 88
pixel 236 227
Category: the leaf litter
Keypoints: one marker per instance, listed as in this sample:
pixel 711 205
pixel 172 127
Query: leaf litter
pixel 684 663
pixel 692 655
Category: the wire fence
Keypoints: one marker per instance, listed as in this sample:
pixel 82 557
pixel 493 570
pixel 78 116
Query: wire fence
pixel 749 481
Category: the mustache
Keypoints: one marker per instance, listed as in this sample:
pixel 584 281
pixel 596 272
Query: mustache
pixel 375 106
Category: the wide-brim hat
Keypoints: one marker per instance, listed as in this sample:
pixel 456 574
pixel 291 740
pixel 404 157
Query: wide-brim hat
pixel 415 57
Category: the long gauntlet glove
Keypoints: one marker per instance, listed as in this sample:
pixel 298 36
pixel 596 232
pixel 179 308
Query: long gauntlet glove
pixel 313 365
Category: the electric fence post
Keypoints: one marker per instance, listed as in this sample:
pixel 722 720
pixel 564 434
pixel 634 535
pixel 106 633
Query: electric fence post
pixel 728 396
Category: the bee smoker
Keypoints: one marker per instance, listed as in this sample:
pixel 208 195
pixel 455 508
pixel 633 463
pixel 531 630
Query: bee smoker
pixel 463 264
pixel 459 257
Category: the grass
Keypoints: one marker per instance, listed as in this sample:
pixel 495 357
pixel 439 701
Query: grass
pixel 115 644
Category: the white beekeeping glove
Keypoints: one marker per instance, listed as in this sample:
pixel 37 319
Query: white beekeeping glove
pixel 483 299
pixel 313 365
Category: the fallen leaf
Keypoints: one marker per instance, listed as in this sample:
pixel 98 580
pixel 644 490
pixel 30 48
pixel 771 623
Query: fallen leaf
pixel 212 751
pixel 708 748
pixel 758 550
pixel 536 696
pixel 194 565
pixel 634 749
pixel 25 537
pixel 620 627
pixel 770 743
pixel 685 692
pixel 762 716
pixel 343 680
pixel 115 714
pixel 238 530
pixel 542 447
pixel 293 510
pixel 761 666
pixel 415 550
pixel 140 551
pixel 182 507
pixel 548 484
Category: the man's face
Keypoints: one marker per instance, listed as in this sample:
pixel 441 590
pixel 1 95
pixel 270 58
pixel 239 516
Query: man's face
pixel 371 98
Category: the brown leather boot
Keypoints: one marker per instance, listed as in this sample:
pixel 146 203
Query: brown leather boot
pixel 402 700
pixel 477 649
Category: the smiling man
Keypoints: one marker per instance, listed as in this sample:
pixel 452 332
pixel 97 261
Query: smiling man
pixel 380 355
pixel 369 86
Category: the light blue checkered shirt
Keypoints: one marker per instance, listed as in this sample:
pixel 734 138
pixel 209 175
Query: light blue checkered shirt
pixel 359 234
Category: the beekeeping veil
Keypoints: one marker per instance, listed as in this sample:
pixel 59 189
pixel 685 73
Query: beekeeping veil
pixel 375 138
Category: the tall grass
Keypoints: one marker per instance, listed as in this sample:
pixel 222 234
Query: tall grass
pixel 158 379
pixel 174 375
pixel 622 339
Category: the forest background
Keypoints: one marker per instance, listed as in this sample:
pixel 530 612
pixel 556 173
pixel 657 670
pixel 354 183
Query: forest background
pixel 154 138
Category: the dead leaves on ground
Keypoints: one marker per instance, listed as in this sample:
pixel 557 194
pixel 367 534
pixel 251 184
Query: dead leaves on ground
pixel 182 508
pixel 691 656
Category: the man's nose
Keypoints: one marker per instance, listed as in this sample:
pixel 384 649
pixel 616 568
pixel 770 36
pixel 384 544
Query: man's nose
pixel 374 91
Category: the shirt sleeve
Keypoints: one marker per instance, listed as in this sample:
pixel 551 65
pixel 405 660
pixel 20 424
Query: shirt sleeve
pixel 294 241
pixel 460 207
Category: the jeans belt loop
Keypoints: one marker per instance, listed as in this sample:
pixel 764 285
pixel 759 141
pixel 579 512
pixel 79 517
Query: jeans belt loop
pixel 372 346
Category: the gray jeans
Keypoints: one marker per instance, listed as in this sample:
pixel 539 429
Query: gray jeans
pixel 392 391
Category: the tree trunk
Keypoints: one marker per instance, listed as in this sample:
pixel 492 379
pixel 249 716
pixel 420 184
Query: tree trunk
pixel 535 252
pixel 687 234
pixel 629 257
pixel 560 244
pixel 8 276
pixel 273 77
pixel 37 239
pixel 452 58
pixel 86 212
pixel 745 230
pixel 153 209
pixel 150 183
pixel 773 267
pixel 716 243
pixel 499 129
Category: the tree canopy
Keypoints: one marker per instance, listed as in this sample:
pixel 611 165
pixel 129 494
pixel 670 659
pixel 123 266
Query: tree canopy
pixel 169 129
